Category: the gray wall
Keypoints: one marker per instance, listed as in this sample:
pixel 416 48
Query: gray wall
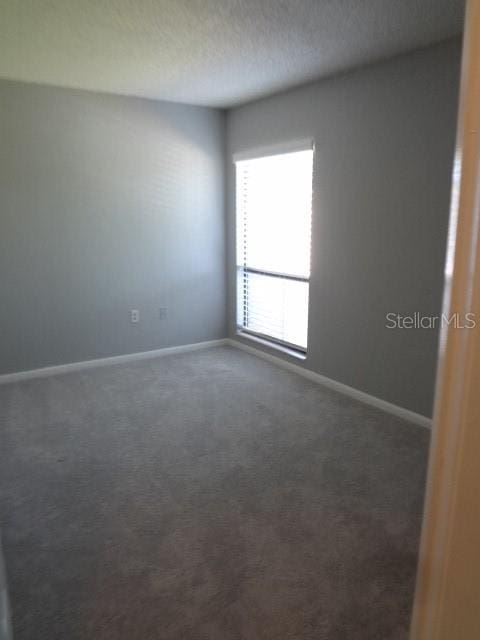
pixel 107 204
pixel 384 140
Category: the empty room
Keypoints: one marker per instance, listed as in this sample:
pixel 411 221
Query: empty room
pixel 238 291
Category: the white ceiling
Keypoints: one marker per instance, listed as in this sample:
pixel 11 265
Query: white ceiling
pixel 210 52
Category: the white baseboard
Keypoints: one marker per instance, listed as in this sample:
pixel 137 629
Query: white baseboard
pixel 388 407
pixel 104 362
pixel 383 405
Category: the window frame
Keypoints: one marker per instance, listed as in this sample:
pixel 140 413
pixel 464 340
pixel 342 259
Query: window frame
pixel 241 329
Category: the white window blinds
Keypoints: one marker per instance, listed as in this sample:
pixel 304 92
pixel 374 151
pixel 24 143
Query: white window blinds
pixel 274 207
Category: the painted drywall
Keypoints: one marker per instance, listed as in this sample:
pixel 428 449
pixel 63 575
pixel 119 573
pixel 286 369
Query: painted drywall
pixel 107 204
pixel 384 138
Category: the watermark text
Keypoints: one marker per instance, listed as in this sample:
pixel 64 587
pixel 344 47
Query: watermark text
pixel 419 321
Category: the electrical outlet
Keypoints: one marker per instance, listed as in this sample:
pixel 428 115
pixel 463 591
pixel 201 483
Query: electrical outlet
pixel 162 313
pixel 134 316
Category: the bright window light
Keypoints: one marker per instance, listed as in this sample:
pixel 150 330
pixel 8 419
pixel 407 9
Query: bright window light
pixel 274 210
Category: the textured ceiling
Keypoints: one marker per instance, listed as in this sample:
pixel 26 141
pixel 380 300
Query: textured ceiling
pixel 210 52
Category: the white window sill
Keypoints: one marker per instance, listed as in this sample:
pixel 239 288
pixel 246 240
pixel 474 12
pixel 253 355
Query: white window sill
pixel 272 345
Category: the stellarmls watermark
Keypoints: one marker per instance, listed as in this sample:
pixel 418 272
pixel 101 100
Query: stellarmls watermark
pixel 419 321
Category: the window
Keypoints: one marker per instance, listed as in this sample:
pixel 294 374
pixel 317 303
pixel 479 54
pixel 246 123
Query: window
pixel 274 210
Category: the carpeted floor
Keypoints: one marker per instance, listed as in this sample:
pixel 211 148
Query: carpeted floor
pixel 206 496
